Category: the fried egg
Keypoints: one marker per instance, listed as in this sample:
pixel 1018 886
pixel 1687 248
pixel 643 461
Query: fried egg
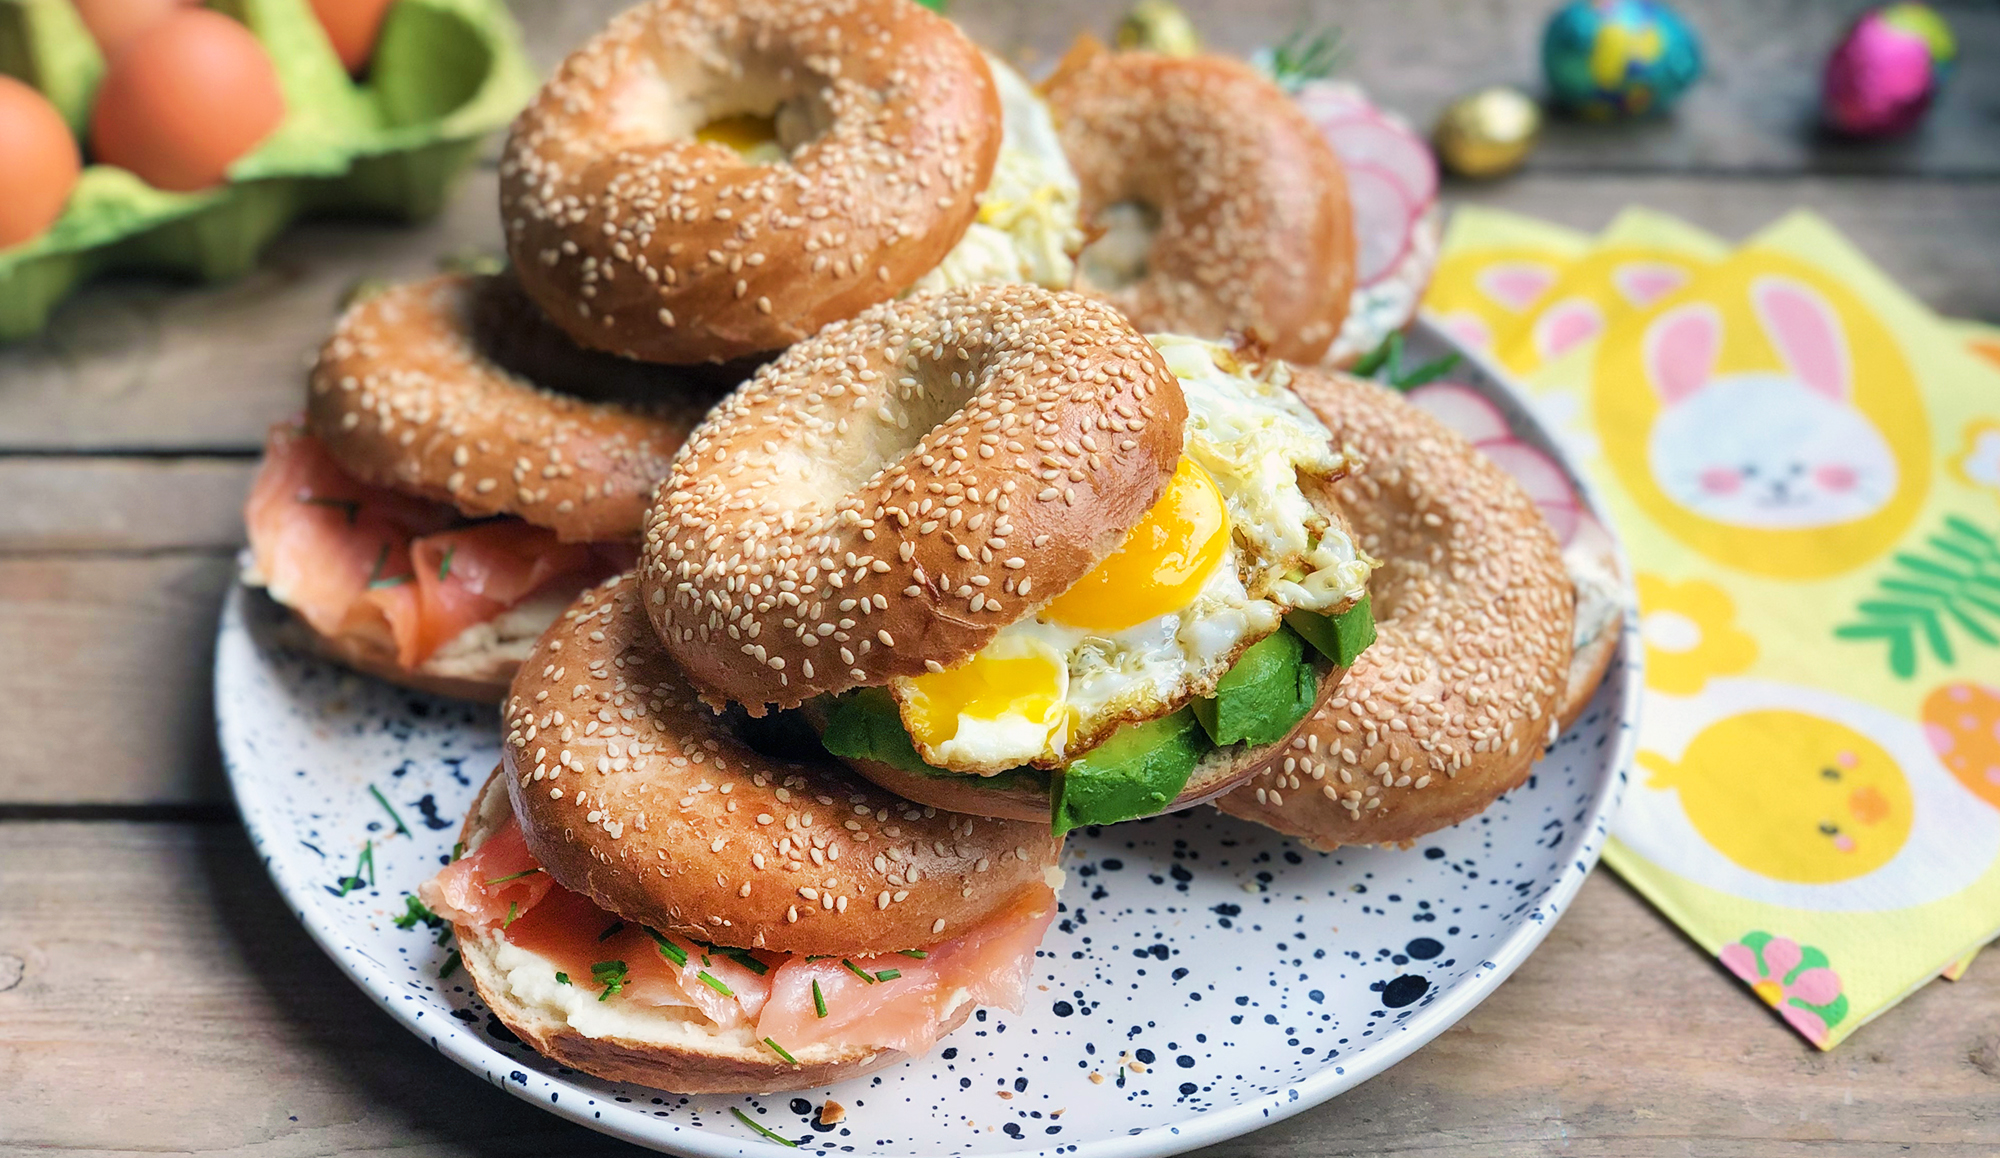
pixel 1027 229
pixel 1232 544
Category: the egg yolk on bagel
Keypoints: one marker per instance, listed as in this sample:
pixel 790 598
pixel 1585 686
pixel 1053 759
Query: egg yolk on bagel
pixel 1232 545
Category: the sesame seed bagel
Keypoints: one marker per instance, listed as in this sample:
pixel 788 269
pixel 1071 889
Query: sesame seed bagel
pixel 682 1055
pixel 631 792
pixel 887 495
pixel 1253 232
pixel 405 395
pixel 641 239
pixel 1455 699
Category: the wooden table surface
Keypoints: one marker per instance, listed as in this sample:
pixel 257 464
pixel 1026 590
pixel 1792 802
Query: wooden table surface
pixel 155 994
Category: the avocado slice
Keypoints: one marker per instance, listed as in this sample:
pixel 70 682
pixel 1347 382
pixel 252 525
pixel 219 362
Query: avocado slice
pixel 1339 638
pixel 1270 689
pixel 1136 772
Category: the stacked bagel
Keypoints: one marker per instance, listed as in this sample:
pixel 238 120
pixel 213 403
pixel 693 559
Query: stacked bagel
pixel 1030 512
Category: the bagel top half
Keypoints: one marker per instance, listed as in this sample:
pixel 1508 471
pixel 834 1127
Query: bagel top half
pixel 633 793
pixel 407 394
pixel 886 496
pixel 1220 207
pixel 641 228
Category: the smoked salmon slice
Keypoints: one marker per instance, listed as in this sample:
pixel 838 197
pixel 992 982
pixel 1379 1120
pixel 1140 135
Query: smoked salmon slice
pixel 349 557
pixel 892 1001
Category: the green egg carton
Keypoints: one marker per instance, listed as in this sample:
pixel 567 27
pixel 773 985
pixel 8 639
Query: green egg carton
pixel 444 74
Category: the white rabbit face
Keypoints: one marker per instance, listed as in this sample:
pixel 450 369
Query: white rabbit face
pixel 1764 451
pixel 1770 451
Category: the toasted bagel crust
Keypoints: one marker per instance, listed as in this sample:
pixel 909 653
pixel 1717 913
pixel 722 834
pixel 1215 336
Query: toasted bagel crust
pixel 1255 234
pixel 1454 701
pixel 640 239
pixel 631 792
pixel 690 1066
pixel 886 496
pixel 403 396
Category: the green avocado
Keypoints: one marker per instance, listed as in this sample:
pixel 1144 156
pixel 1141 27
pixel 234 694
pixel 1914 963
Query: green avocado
pixel 1270 689
pixel 1340 637
pixel 1137 772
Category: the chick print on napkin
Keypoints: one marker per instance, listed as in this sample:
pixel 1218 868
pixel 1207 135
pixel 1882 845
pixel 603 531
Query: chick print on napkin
pixel 1798 457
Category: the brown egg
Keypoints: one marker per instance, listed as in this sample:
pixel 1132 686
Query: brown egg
pixel 39 162
pixel 113 23
pixel 185 99
pixel 352 25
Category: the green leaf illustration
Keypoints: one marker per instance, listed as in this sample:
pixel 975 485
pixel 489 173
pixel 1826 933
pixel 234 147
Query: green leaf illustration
pixel 1926 598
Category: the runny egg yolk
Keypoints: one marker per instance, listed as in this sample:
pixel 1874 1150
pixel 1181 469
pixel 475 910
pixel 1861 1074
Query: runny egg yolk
pixel 1010 696
pixel 1162 563
pixel 753 136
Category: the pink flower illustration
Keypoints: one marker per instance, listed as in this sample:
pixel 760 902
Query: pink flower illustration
pixel 1793 979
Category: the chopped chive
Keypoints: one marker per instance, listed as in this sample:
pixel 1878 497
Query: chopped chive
pixel 780 1139
pixel 444 566
pixel 706 963
pixel 375 579
pixel 610 931
pixel 354 880
pixel 611 975
pixel 888 974
pixel 742 957
pixel 349 507
pixel 513 914
pixel 401 828
pixel 668 949
pixel 444 935
pixel 562 978
pixel 819 999
pixel 457 850
pixel 450 966
pixel 919 954
pixel 515 877
pixel 857 970
pixel 714 982
pixel 780 1051
pixel 415 911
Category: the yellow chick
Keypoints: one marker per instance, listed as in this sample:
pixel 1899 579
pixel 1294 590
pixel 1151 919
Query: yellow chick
pixel 1790 796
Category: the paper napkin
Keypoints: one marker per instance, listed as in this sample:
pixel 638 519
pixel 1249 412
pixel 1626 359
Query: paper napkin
pixel 1804 464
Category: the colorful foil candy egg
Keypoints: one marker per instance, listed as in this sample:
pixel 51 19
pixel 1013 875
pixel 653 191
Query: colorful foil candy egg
pixel 1607 59
pixel 1885 71
pixel 1487 132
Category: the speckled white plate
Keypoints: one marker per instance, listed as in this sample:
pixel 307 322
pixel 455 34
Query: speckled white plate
pixel 1206 976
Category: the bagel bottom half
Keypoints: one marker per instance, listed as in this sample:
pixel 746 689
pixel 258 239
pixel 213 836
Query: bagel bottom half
pixel 1470 668
pixel 683 1054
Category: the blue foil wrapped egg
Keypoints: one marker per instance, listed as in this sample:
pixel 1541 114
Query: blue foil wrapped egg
pixel 1607 59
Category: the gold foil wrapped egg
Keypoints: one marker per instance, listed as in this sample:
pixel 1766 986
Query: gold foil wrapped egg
pixel 1158 26
pixel 1488 132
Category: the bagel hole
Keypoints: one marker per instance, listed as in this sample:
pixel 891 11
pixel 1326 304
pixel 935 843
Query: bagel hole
pixel 1121 252
pixel 763 113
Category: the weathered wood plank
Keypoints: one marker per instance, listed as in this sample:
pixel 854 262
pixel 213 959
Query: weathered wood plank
pixel 137 365
pixel 109 658
pixel 1755 112
pixel 121 504
pixel 167 1001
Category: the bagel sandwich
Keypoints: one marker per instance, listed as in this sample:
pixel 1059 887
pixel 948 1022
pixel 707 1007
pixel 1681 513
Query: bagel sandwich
pixel 1011 558
pixel 1482 656
pixel 643 896
pixel 433 511
pixel 711 180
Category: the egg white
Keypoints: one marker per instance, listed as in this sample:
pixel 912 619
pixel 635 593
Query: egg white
pixel 1255 438
pixel 1027 229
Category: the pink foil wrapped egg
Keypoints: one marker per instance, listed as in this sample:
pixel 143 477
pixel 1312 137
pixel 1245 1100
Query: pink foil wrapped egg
pixel 1885 71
